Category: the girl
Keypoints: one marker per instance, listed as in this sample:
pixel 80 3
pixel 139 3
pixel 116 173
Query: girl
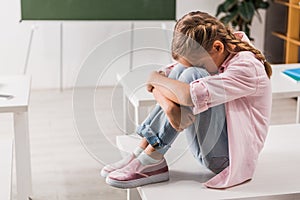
pixel 220 93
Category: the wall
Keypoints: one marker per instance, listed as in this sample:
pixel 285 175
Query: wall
pixel 79 41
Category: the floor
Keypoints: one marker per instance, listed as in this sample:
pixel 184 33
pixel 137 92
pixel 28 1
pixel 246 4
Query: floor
pixel 67 153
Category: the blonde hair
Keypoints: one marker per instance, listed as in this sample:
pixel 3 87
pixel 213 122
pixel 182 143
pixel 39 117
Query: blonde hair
pixel 204 29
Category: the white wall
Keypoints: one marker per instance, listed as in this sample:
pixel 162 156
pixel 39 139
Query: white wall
pixel 79 41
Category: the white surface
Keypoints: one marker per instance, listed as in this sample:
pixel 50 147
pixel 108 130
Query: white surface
pixel 285 87
pixel 19 88
pixel 134 86
pixel 22 153
pixel 136 99
pixel 282 86
pixel 6 156
pixel 277 171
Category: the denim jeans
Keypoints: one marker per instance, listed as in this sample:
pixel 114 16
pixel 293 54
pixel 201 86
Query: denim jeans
pixel 207 136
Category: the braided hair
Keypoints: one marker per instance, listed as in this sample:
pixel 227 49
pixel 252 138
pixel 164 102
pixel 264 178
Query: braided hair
pixel 198 31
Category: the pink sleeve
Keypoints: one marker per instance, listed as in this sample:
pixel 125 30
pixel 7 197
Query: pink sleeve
pixel 240 79
pixel 199 95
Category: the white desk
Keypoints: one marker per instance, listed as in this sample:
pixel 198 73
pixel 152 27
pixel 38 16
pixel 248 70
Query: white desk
pixel 282 87
pixel 135 93
pixel 137 101
pixel 6 155
pixel 19 88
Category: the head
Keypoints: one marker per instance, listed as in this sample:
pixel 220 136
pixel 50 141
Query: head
pixel 201 39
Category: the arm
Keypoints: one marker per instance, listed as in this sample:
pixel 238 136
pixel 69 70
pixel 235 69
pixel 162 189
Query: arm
pixel 174 90
pixel 179 117
pixel 240 80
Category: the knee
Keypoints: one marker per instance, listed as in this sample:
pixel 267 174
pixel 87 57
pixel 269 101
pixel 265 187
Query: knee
pixel 176 71
pixel 192 73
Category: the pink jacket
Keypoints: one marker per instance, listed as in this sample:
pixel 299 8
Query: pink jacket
pixel 244 87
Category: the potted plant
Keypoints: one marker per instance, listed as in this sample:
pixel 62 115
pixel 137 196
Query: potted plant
pixel 239 13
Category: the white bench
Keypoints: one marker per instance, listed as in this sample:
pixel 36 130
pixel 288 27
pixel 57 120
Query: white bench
pixel 6 156
pixel 277 170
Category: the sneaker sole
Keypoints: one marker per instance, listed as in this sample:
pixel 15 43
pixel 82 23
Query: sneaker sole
pixel 104 174
pixel 139 182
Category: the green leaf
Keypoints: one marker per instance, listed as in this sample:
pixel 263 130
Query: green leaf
pixel 240 13
pixel 228 4
pixel 258 16
pixel 229 17
pixel 246 10
pixel 234 23
pixel 262 5
pixel 220 9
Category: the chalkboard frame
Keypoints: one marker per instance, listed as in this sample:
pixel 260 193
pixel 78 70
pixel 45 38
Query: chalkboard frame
pixel 119 10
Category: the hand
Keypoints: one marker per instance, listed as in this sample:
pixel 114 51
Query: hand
pixel 149 87
pixel 152 78
pixel 162 73
pixel 179 117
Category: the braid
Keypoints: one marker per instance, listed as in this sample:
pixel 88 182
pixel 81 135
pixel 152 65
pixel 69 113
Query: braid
pixel 245 46
pixel 204 29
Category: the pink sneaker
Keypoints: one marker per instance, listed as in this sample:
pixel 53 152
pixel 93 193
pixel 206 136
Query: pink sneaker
pixel 135 174
pixel 118 165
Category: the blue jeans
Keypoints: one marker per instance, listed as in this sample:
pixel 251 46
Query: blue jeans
pixel 207 136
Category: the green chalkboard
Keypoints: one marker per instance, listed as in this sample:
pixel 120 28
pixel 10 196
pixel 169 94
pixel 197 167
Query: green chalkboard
pixel 98 9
